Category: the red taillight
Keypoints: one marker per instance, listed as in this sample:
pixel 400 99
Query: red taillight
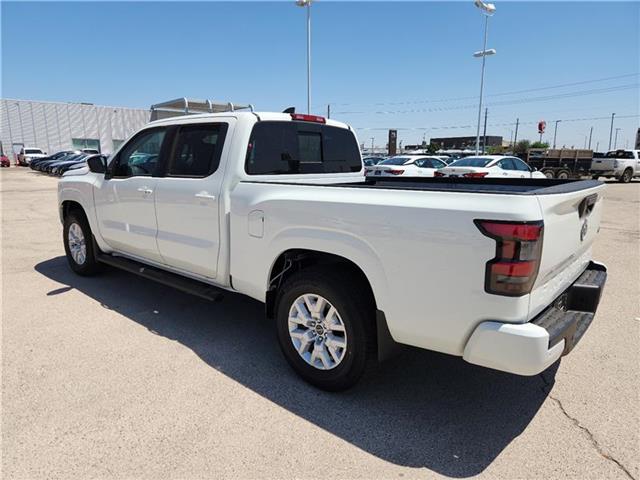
pixel 438 174
pixel 395 172
pixel 475 174
pixel 308 118
pixel 514 269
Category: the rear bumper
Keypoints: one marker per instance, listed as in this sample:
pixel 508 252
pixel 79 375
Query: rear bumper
pixel 530 348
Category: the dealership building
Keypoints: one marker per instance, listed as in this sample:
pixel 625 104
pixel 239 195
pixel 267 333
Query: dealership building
pixel 55 126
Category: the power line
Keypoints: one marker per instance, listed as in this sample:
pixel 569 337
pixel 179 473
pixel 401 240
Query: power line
pixel 580 93
pixel 453 99
pixel 505 124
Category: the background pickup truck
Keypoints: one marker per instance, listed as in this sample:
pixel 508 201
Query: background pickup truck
pixel 620 164
pixel 275 206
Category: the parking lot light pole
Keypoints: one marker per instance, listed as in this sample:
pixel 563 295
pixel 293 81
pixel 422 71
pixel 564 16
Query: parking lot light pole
pixel 307 4
pixel 555 133
pixel 487 9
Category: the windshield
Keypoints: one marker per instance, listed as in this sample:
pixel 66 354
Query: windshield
pixel 471 162
pixel 395 161
pixel 620 154
pixel 32 150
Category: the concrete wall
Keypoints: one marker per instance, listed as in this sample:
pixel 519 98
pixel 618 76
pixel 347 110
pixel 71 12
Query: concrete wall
pixel 51 126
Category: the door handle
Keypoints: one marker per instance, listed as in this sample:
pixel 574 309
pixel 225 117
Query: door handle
pixel 145 190
pixel 205 195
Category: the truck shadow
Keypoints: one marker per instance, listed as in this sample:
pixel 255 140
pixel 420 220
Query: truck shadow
pixel 420 409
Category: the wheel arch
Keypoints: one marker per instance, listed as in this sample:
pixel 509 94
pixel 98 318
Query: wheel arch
pixel 296 259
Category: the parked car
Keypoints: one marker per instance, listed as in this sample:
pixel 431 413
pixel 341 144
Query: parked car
pixel 89 150
pixel 77 163
pixel 407 166
pixel 51 158
pixel 54 167
pixel 371 161
pixel 26 155
pixel 488 166
pixel 4 161
pixel 275 206
pixel 623 165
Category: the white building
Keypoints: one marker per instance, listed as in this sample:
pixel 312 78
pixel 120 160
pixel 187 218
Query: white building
pixel 55 126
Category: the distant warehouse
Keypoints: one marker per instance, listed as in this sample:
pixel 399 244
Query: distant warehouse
pixel 453 143
pixel 55 126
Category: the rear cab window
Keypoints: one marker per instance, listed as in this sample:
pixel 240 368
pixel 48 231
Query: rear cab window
pixel 286 148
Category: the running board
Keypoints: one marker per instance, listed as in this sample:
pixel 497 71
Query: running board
pixel 187 285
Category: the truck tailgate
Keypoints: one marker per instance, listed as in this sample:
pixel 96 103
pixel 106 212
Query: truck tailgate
pixel 571 222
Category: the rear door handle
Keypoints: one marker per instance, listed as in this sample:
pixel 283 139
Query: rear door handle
pixel 145 190
pixel 205 195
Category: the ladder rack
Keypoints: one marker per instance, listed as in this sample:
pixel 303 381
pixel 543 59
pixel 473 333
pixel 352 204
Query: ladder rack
pixel 190 106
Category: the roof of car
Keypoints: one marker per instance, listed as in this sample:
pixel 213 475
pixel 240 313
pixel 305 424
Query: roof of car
pixel 274 116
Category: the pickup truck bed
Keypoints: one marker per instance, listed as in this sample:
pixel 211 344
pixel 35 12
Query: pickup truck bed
pixel 466 185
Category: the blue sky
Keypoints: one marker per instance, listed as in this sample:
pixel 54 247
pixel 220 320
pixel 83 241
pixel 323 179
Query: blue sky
pixel 380 64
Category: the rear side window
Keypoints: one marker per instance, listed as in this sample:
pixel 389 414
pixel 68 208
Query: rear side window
pixel 506 164
pixel 280 148
pixel 197 150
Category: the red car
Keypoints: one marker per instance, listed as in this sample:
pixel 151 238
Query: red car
pixel 4 161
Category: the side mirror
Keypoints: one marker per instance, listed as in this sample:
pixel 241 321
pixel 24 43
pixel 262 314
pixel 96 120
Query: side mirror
pixel 97 164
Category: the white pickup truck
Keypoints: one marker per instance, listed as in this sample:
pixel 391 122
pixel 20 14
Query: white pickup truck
pixel 620 164
pixel 275 206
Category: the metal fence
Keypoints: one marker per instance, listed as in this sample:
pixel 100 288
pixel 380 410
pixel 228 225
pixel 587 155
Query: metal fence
pixel 53 126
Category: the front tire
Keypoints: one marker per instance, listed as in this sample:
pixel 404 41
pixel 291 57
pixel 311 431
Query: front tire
pixel 325 321
pixel 78 244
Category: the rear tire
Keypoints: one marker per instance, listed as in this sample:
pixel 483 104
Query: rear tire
pixel 330 347
pixel 563 175
pixel 78 244
pixel 627 175
pixel 548 173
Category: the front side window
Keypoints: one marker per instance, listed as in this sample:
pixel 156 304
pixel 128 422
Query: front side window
pixel 520 165
pixel 281 148
pixel 197 150
pixel 140 156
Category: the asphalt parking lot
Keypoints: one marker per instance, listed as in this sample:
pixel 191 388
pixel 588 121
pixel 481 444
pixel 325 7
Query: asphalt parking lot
pixel 118 377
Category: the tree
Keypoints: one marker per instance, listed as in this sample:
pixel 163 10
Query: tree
pixel 433 148
pixel 539 145
pixel 521 147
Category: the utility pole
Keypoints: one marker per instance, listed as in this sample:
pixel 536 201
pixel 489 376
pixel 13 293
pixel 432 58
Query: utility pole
pixel 590 134
pixel 555 132
pixel 484 141
pixel 328 110
pixel 611 130
pixel 515 138
pixel 372 145
pixel 615 142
